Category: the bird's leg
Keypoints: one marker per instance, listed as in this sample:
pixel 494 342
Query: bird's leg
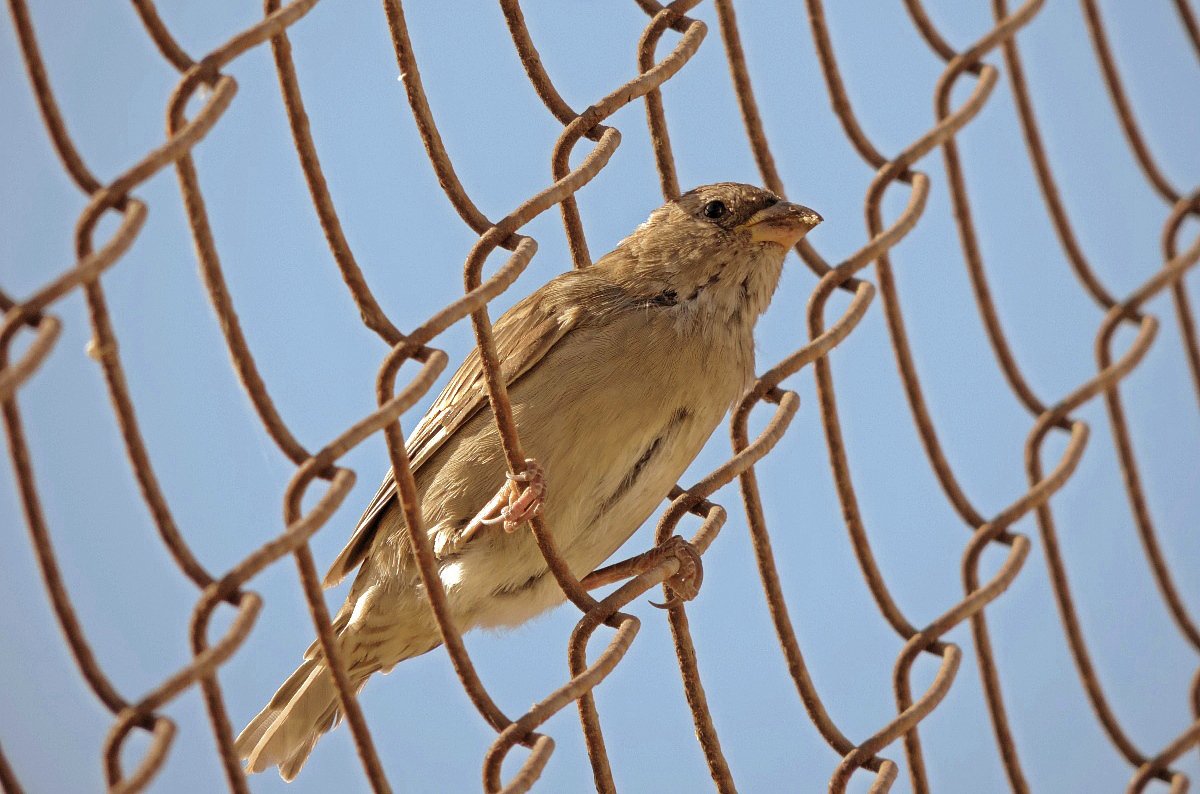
pixel 686 581
pixel 529 500
pixel 513 504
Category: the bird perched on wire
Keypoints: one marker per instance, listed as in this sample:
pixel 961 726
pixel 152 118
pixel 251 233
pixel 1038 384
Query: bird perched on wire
pixel 617 374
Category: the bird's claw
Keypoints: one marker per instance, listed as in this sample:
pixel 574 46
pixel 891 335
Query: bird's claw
pixel 528 502
pixel 513 504
pixel 685 583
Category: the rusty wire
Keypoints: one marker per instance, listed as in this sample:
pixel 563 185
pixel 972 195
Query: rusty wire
pixel 657 565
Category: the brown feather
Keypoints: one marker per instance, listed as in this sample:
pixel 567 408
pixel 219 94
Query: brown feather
pixel 524 335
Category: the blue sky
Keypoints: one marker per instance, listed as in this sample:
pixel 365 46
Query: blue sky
pixel 225 479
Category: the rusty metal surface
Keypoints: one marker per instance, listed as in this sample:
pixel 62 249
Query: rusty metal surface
pixel 205 77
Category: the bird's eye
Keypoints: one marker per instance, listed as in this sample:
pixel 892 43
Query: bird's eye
pixel 772 201
pixel 715 209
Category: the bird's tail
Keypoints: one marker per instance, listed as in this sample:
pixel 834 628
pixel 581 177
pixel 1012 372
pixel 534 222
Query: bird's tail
pixel 285 732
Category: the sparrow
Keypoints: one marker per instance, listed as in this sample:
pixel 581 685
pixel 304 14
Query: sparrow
pixel 618 373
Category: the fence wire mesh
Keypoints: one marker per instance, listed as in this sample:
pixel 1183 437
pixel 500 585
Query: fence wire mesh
pixel 204 78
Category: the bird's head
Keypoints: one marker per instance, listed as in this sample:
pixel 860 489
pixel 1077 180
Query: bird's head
pixel 718 247
pixel 739 217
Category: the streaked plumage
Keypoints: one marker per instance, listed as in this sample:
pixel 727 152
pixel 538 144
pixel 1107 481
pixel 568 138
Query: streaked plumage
pixel 618 374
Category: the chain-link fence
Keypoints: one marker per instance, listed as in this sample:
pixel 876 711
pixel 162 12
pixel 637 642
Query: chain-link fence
pixel 204 78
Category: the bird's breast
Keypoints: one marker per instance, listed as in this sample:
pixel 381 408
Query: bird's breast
pixel 615 417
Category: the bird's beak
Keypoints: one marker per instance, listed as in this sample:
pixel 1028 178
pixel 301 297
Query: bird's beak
pixel 783 223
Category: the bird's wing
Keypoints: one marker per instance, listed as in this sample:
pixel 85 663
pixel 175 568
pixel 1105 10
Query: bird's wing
pixel 524 335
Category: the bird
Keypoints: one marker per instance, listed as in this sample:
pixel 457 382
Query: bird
pixel 617 374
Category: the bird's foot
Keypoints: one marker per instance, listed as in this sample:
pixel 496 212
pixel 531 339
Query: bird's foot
pixel 530 498
pixel 517 501
pixel 685 582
